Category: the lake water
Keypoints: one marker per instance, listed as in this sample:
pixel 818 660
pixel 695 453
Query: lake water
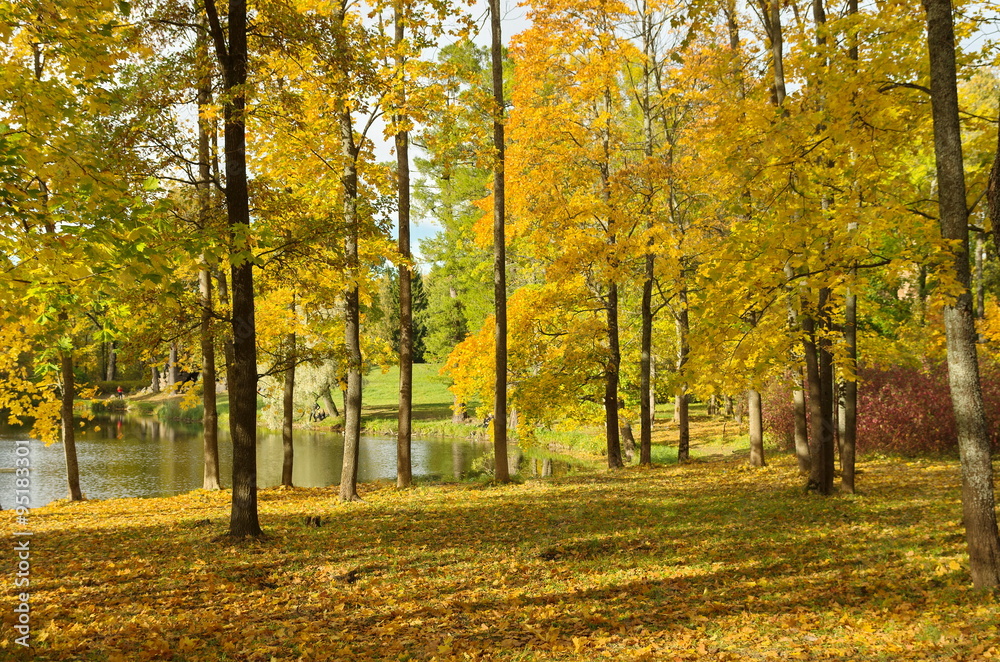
pixel 128 456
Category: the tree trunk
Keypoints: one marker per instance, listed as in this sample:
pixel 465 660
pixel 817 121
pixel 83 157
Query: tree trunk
pixel 819 369
pixel 327 402
pixel 227 333
pixel 756 429
pixel 154 384
pixel 459 412
pixel 611 371
pixel 777 56
pixel 404 473
pixel 980 284
pixel 499 250
pixel 210 417
pixel 646 403
pixel 352 406
pixel 645 370
pixel 242 378
pixel 682 326
pixel 68 426
pixel 801 430
pixel 849 418
pixel 112 365
pixel 288 411
pixel 628 439
pixel 172 369
pixel 978 502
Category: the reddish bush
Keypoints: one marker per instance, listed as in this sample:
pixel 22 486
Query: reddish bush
pixel 903 410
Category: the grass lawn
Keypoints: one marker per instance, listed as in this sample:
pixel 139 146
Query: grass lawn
pixel 712 560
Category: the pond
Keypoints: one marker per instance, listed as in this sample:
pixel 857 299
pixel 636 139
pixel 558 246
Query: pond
pixel 129 456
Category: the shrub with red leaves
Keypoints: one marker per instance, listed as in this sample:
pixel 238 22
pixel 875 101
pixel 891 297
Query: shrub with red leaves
pixel 902 410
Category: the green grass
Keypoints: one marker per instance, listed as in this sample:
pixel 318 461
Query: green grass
pixel 432 402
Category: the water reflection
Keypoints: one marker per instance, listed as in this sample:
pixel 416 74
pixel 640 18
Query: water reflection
pixel 128 456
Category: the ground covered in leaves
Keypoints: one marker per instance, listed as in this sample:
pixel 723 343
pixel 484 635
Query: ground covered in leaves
pixel 711 560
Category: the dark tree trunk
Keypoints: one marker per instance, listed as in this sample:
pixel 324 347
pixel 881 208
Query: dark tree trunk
pixel 849 422
pixel 352 405
pixel 154 384
pixel 232 56
pixel 819 377
pixel 500 251
pixel 288 412
pixel 756 429
pixel 68 427
pixel 404 473
pixel 681 402
pixel 646 397
pixel 645 370
pixel 611 371
pixel 978 501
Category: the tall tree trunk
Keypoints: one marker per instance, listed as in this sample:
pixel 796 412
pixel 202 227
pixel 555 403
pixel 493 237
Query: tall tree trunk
pixel 232 56
pixel 404 473
pixel 352 408
pixel 849 422
pixel 499 251
pixel 646 350
pixel 978 503
pixel 611 371
pixel 154 384
pixel 819 376
pixel 68 427
pixel 210 416
pixel 756 429
pixel 288 411
pixel 681 323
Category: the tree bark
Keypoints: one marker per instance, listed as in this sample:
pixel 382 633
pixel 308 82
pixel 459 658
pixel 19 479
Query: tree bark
pixel 68 427
pixel 154 384
pixel 288 411
pixel 210 416
pixel 112 366
pixel 499 251
pixel 646 404
pixel 849 422
pixel 172 369
pixel 756 429
pixel 242 378
pixel 978 501
pixel 352 406
pixel 801 430
pixel 819 376
pixel 611 371
pixel 404 472
pixel 682 325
